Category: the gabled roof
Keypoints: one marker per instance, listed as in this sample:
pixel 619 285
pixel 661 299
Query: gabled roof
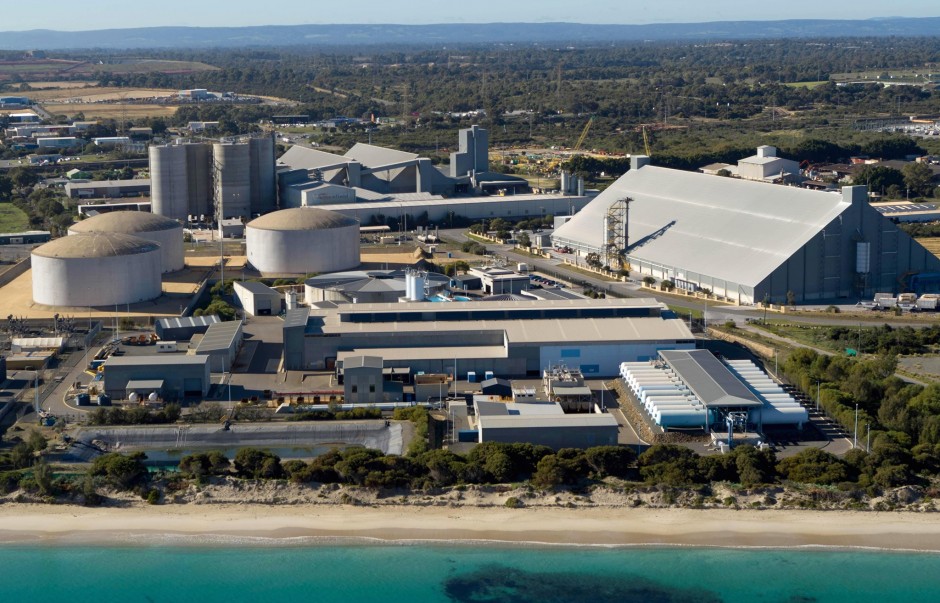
pixel 373 156
pixel 304 158
pixel 726 228
pixel 709 379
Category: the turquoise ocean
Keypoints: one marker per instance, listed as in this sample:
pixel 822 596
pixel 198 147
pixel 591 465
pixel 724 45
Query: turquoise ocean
pixel 159 570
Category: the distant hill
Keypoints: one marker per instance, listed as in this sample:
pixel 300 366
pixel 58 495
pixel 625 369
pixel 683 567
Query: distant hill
pixel 464 33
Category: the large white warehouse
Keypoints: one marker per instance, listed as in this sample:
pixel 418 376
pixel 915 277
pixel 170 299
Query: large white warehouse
pixel 166 233
pixel 302 240
pixel 96 269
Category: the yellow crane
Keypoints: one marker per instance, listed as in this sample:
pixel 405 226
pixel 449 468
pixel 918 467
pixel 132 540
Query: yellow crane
pixel 584 133
pixel 646 141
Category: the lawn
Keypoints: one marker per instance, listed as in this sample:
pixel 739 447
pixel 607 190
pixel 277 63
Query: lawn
pixel 12 218
pixel 809 85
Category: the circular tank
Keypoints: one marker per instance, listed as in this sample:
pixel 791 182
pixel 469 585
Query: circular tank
pixel 169 189
pixel 233 178
pixel 167 233
pixel 302 240
pixel 263 177
pixel 96 269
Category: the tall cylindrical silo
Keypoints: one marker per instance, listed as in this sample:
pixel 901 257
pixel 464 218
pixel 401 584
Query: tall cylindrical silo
pixel 96 269
pixel 199 177
pixel 169 191
pixel 302 240
pixel 232 179
pixel 263 177
pixel 167 233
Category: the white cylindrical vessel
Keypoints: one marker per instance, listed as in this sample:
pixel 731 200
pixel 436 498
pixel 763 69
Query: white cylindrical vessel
pixel 302 240
pixel 96 269
pixel 167 233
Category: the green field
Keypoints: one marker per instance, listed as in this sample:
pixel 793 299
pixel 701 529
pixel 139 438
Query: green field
pixel 809 85
pixel 12 218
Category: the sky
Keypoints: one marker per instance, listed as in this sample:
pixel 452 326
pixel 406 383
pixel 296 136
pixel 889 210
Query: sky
pixel 107 14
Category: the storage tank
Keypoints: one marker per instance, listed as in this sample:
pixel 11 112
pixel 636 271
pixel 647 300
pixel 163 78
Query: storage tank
pixel 167 233
pixel 232 165
pixel 263 177
pixel 169 188
pixel 680 418
pixel 785 415
pixel 302 240
pixel 96 269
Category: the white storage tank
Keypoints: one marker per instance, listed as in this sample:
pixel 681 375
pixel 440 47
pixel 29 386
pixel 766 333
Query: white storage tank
pixel 167 233
pixel 96 269
pixel 302 240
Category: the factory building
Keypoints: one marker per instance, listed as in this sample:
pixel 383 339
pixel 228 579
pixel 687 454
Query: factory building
pixel 257 299
pixel 96 269
pixel 172 376
pixel 233 178
pixel 183 329
pixel 113 189
pixel 221 343
pixel 373 286
pixel 167 233
pixel 302 241
pixel 746 241
pixel 508 339
pixel 542 423
pixel 28 237
pixel 371 170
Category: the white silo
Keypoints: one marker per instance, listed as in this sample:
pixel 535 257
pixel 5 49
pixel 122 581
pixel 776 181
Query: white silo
pixel 165 232
pixel 302 240
pixel 96 269
pixel 232 165
pixel 169 188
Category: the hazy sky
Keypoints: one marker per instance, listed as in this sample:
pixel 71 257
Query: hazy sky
pixel 104 14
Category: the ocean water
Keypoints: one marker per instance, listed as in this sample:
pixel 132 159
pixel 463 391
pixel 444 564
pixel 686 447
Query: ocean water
pixel 170 570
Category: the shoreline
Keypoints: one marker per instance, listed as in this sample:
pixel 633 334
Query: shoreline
pixel 316 525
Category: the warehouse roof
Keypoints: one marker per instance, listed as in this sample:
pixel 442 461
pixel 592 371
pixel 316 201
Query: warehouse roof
pixel 302 218
pixel 709 379
pixel 188 321
pixel 256 288
pixel 155 359
pixel 370 155
pixel 220 336
pixel 125 221
pixel 305 158
pixel 108 183
pixel 95 245
pixel 726 228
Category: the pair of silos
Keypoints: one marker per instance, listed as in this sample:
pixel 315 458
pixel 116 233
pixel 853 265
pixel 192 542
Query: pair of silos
pixel 112 258
pixel 193 178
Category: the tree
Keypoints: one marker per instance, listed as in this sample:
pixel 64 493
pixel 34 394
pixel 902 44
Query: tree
pixel 593 260
pixel 23 177
pixel 813 466
pixel 878 177
pixel 42 473
pixel 123 472
pixel 523 240
pixel 36 441
pixel 614 461
pixel 917 179
pixel 252 462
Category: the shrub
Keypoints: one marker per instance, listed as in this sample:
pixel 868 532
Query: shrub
pixel 514 503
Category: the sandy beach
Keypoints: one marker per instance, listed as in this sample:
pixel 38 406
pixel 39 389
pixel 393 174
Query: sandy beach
pixel 54 524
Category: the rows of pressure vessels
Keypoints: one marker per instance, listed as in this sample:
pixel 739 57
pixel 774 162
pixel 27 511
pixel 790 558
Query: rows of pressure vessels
pixel 779 407
pixel 664 396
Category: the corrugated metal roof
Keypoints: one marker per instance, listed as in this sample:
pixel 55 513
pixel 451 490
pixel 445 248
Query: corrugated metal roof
pixel 372 156
pixel 219 337
pixel 188 321
pixel 726 228
pixel 156 359
pixel 709 379
pixel 304 158
pixel 256 288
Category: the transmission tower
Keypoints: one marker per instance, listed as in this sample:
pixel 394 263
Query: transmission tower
pixel 615 233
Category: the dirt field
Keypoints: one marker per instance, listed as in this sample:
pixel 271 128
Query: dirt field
pixel 110 111
pixel 17 299
pixel 34 86
pixel 95 94
pixel 932 244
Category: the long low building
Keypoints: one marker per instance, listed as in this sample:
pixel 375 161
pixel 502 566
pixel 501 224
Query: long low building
pixel 746 241
pixel 108 189
pixel 510 339
pixel 542 423
pixel 173 376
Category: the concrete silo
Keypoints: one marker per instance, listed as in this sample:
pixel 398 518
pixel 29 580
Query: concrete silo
pixel 199 178
pixel 232 166
pixel 165 232
pixel 263 176
pixel 96 269
pixel 169 187
pixel 302 240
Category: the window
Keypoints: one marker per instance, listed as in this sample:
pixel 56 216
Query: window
pixel 372 389
pixel 355 389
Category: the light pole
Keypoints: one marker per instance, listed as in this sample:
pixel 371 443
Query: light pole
pixel 855 439
pixel 817 395
pixel 868 437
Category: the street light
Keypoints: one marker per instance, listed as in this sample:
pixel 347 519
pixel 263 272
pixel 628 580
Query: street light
pixel 855 440
pixel 817 395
